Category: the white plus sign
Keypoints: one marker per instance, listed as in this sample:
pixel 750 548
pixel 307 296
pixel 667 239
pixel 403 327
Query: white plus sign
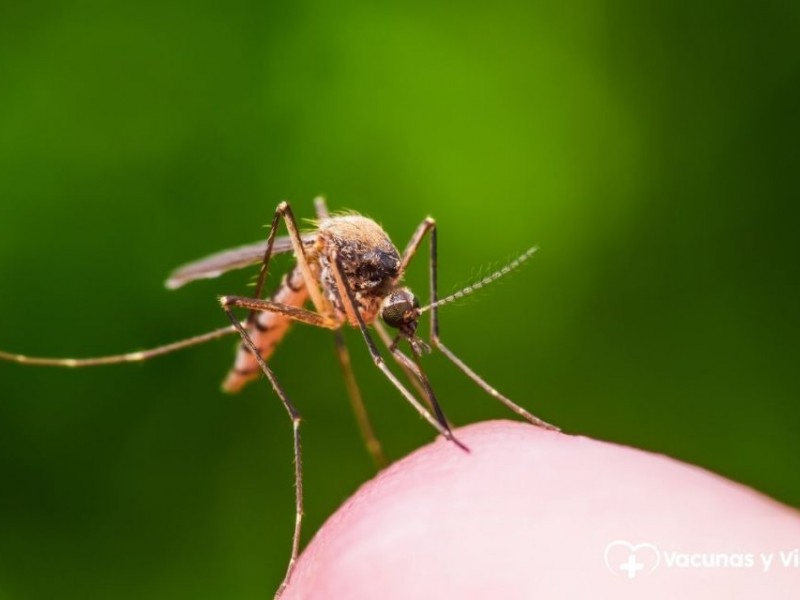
pixel 630 566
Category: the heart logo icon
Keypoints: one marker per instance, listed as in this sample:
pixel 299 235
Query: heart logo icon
pixel 631 560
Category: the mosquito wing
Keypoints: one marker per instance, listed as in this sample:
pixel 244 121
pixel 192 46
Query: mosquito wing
pixel 227 260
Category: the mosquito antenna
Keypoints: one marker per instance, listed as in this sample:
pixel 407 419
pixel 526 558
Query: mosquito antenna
pixel 482 282
pixel 117 358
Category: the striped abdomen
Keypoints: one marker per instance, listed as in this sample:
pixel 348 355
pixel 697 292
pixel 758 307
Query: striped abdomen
pixel 266 332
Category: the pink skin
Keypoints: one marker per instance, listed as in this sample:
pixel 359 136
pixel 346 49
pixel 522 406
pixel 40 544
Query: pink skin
pixel 530 513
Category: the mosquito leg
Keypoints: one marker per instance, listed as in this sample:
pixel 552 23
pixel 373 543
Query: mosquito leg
pixel 321 304
pixel 428 226
pixel 284 211
pixel 294 415
pixel 414 367
pixel 492 391
pixel 355 316
pixel 296 314
pixel 262 274
pixel 416 240
pixel 295 288
pixel 312 318
pixel 412 377
pixel 357 403
pixel 117 358
pixel 354 393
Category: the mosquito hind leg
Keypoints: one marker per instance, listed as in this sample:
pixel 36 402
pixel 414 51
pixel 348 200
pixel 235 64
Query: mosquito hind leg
pixel 114 359
pixel 428 226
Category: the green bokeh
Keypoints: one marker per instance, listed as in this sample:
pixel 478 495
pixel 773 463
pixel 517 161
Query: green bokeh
pixel 649 150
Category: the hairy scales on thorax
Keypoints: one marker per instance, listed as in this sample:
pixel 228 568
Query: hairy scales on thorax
pixel 369 260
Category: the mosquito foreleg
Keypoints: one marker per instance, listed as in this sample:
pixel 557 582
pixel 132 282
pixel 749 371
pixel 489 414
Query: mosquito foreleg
pixel 387 341
pixel 429 226
pixel 352 312
pixel 416 241
pixel 414 367
pixel 490 390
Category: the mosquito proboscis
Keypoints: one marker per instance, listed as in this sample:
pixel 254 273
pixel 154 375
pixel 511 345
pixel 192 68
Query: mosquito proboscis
pixel 350 273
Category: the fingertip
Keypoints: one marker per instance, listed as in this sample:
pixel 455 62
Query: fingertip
pixel 528 513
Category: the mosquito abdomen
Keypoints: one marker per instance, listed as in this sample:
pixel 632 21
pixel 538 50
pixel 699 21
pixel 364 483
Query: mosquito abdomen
pixel 266 331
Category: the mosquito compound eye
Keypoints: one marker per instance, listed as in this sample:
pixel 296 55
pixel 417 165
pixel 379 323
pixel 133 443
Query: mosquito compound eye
pixel 400 308
pixel 394 313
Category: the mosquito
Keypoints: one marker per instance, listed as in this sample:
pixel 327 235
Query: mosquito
pixel 351 274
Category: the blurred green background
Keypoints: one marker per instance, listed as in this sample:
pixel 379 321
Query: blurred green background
pixel 650 151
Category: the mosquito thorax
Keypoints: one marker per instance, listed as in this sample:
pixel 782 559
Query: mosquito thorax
pixel 400 310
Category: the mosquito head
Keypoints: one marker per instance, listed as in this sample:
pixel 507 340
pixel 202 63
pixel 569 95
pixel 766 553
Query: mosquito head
pixel 400 309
